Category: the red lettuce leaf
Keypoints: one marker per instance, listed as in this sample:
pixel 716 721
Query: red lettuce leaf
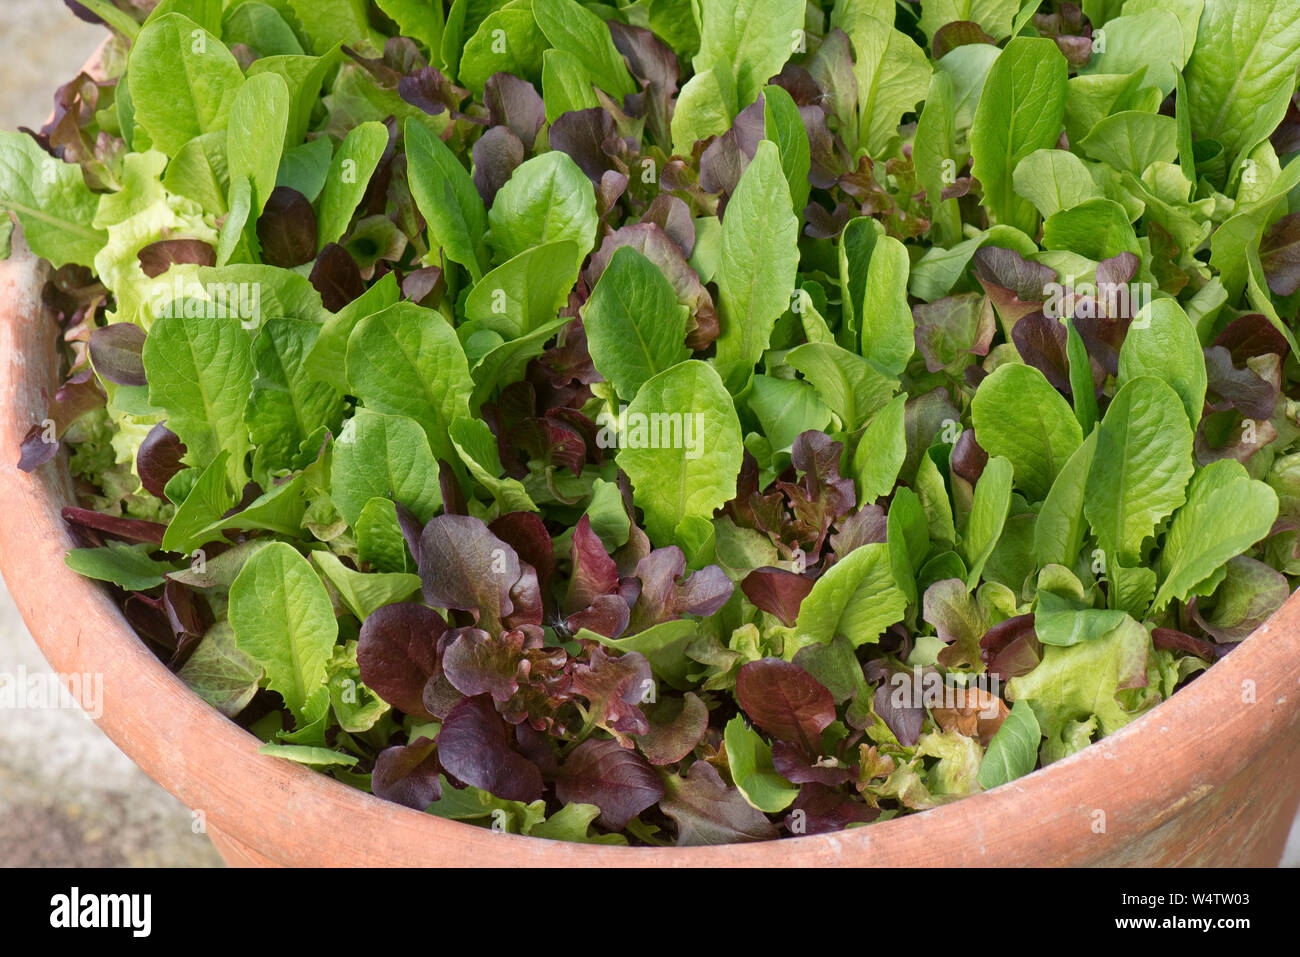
pixel 408 775
pixel 785 701
pixel 618 781
pixel 707 811
pixel 777 591
pixel 397 653
pixel 474 747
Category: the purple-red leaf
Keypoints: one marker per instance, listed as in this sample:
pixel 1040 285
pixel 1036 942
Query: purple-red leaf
pixel 1011 648
pixel 127 529
pixel 1251 335
pixel 496 154
pixel 286 229
pixel 157 258
pixel 474 747
pixel 159 459
pixel 465 567
pixel 337 277
pixel 795 766
pixel 823 810
pixel 37 448
pixel 676 727
pixel 618 781
pixel 589 138
pixel 1017 286
pixel 949 328
pixel 514 103
pixel 706 811
pixel 903 719
pixel 408 775
pixel 117 353
pixel 614 689
pixel 785 701
pixel 777 592
pixel 1232 388
pixel 478 663
pixel 1171 639
pixel 594 572
pixel 665 595
pixel 1279 254
pixel 397 653
pixel 607 615
pixel 527 535
pixel 1041 342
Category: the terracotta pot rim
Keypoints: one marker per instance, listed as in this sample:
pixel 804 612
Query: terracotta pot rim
pixel 1038 805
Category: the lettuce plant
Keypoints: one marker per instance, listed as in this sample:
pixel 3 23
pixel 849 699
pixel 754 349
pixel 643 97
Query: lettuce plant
pixel 677 422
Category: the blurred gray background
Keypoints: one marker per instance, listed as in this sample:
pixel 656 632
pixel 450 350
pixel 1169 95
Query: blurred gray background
pixel 68 797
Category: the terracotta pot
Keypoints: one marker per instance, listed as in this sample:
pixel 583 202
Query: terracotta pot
pixel 1210 777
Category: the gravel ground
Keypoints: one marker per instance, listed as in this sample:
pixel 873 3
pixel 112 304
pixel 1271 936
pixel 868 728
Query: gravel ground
pixel 68 797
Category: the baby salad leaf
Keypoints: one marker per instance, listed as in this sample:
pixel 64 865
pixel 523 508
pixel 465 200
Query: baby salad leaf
pixel 682 448
pixel 784 127
pixel 706 811
pixel 287 407
pixel 1073 690
pixel 259 119
pixel 749 758
pixel 1065 621
pixel 508 40
pixel 200 373
pixel 786 702
pixel 477 447
pixel 52 202
pixel 1017 414
pixel 127 566
pixel 873 275
pixel 527 292
pixel 349 175
pixel 1013 752
pixel 1142 463
pixel 1021 109
pixel 1226 513
pixel 635 326
pixel 743 44
pixel 759 257
pixel 327 22
pixel 988 516
pixel 198 516
pixel 418 20
pixel 547 199
pixel 385 457
pixel 446 196
pixel 852 387
pixel 183 81
pixel 1162 342
pixel 993 16
pixel 407 361
pixel 283 620
pixel 615 779
pixel 1060 527
pixel 881 451
pixel 1054 180
pixel 363 594
pixel 893 74
pixel 574 29
pixel 857 598
pixel 221 674
pixel 1242 71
